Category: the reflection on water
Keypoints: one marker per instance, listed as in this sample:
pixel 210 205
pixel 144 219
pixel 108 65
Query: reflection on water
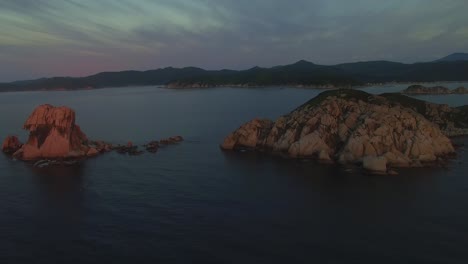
pixel 61 193
pixel 195 203
pixel 60 181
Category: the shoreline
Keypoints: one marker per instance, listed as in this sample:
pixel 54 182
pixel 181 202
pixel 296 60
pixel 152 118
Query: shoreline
pixel 184 87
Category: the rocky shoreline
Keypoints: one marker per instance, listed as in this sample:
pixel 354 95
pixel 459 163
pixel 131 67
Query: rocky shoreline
pixel 55 139
pixel 182 85
pixel 437 90
pixel 350 126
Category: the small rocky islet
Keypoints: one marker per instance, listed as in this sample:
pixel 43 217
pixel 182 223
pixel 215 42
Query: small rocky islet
pixel 347 126
pixel 55 139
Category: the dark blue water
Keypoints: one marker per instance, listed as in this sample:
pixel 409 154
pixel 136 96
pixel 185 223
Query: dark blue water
pixel 193 203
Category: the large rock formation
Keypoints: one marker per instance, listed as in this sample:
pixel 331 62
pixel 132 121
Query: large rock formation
pixel 53 134
pixel 347 126
pixel 55 139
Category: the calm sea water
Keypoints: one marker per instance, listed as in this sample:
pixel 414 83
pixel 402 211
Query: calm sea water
pixel 193 203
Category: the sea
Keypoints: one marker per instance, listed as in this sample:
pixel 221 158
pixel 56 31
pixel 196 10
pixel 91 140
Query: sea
pixel 193 203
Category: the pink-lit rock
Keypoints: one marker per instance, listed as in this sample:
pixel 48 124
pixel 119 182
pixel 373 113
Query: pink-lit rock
pixel 53 134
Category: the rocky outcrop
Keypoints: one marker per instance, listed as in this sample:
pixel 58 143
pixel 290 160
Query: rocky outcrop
pixel 420 89
pixel 152 146
pixel 11 144
pixel 347 126
pixel 129 149
pixel 53 134
pixel 92 152
pixel 453 121
pixel 248 135
pixel 55 139
pixel 171 140
pixel 460 90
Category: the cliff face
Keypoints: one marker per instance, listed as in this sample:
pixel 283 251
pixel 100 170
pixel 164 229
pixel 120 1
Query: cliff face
pixel 53 134
pixel 347 126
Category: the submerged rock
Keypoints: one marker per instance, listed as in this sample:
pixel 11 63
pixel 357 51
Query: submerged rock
pixel 129 149
pixel 171 140
pixel 347 126
pixel 152 146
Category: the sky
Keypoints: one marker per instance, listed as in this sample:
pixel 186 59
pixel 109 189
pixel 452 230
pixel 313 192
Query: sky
pixel 44 38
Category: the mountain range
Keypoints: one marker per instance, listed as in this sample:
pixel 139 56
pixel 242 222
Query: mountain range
pixel 302 73
pixel 455 57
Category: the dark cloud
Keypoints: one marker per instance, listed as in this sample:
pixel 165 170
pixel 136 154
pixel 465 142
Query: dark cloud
pixel 80 37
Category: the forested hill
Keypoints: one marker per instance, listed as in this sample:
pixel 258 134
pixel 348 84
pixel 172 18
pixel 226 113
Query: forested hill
pixel 301 73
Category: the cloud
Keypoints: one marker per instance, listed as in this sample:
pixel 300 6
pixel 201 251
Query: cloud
pixel 80 37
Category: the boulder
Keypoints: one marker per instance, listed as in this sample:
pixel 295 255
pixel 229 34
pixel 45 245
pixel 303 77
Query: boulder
pixel 92 152
pixel 375 164
pixel 11 145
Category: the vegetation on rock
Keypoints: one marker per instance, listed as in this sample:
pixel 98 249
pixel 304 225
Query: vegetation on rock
pixel 352 126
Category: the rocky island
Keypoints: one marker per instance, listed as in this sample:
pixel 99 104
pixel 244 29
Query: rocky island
pixel 351 126
pixel 53 134
pixel 421 90
pixel 55 138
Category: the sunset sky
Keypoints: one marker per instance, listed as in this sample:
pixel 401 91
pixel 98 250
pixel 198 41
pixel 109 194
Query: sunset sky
pixel 40 38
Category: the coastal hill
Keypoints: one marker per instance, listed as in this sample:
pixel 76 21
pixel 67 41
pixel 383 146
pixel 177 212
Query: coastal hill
pixel 301 73
pixel 352 126
pixel 455 57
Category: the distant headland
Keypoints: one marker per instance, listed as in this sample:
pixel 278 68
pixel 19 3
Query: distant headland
pixel 300 74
